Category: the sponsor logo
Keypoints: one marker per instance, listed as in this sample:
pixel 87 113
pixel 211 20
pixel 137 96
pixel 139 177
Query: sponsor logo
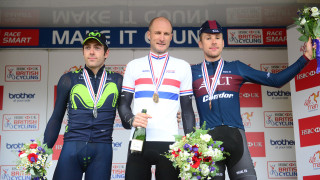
pixel 278 119
pixel 116 145
pixel 118 171
pixel 250 95
pixel 273 68
pixel 309 131
pixel 277 36
pixel 73 68
pixel 11 172
pixel 245 36
pixel 57 148
pixel 23 73
pixel 117 123
pixel 14 147
pixel 315 160
pixel 20 17
pixel 1 97
pixel 246 119
pixel 256 144
pixel 307 78
pixel 21 97
pixel 279 94
pixel 312 103
pixel 218 96
pixel 20 122
pixel 282 169
pixel 282 143
pixel 19 37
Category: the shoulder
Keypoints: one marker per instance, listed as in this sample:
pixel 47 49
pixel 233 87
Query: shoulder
pixel 179 62
pixel 138 61
pixel 114 75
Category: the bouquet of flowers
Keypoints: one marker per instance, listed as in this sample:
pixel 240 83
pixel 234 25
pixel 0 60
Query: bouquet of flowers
pixel 33 158
pixel 309 26
pixel 195 155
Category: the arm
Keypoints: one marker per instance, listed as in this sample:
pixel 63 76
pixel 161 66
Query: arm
pixel 53 127
pixel 128 119
pixel 277 79
pixel 188 118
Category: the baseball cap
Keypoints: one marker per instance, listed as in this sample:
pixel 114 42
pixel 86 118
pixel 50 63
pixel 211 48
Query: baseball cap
pixel 101 38
pixel 210 27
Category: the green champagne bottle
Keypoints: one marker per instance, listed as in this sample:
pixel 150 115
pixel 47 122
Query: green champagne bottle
pixel 139 136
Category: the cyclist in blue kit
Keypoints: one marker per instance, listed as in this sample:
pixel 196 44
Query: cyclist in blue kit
pixel 91 96
pixel 216 86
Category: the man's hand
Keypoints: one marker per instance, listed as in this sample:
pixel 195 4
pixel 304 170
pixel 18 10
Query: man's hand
pixel 141 120
pixel 309 47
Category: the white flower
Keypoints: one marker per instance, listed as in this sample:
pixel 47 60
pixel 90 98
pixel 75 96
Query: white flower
pixel 315 14
pixel 314 9
pixel 205 137
pixel 37 167
pixel 303 21
pixel 38 162
pixel 217 154
pixel 186 167
pixel 306 10
pixel 204 169
pixel 23 155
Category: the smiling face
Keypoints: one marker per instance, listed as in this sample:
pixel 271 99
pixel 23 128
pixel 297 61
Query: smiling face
pixel 160 35
pixel 212 46
pixel 94 55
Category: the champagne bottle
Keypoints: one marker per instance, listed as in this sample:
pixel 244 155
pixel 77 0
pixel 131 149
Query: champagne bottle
pixel 139 136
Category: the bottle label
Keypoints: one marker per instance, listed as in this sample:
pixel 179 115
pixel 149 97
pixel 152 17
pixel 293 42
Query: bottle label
pixel 136 145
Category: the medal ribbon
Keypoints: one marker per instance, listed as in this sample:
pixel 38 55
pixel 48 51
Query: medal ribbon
pixel 160 80
pixel 95 99
pixel 211 88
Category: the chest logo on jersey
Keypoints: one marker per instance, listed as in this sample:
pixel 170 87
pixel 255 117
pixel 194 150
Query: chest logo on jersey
pixel 81 93
pixel 222 81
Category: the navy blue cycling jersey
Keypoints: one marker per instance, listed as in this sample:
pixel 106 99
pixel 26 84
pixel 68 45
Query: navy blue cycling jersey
pixel 73 94
pixel 226 104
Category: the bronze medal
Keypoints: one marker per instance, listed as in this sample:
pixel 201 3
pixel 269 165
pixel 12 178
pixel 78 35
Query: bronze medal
pixel 210 104
pixel 155 97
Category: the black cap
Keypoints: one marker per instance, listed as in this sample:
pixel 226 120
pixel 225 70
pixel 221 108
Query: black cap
pixel 210 27
pixel 97 36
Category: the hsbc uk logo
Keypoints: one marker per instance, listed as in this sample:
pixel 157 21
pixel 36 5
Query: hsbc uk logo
pixel 315 160
pixel 282 169
pixel 312 102
pixel 282 143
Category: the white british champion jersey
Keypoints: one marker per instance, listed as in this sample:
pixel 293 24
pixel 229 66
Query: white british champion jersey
pixel 177 81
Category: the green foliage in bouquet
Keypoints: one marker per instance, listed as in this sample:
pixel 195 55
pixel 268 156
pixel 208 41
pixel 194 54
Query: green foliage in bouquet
pixel 309 23
pixel 196 154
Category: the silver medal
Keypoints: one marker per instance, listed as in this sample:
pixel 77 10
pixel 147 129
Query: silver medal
pixel 95 112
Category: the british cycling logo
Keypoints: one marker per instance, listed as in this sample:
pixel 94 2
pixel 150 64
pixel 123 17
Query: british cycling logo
pixel 273 68
pixel 282 169
pixel 19 73
pixel 278 119
pixel 118 171
pixel 21 97
pixel 20 122
pixel 312 102
pixel 11 172
pixel 315 160
pixel 247 118
pixel 282 143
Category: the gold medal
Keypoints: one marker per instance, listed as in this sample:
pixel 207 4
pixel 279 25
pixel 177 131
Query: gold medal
pixel 210 104
pixel 155 97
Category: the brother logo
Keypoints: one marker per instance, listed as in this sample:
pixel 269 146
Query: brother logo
pixel 21 96
pixel 283 142
pixel 279 93
pixel 14 146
